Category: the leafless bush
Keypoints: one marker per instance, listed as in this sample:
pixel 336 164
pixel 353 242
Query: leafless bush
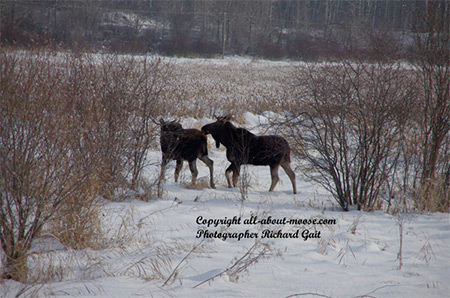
pixel 432 63
pixel 117 98
pixel 73 127
pixel 38 169
pixel 147 82
pixel 346 122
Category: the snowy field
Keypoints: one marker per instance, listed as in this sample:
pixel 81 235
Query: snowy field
pixel 153 248
pixel 159 248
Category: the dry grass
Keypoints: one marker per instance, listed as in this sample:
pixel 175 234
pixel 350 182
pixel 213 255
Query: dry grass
pixel 226 87
pixel 241 265
pixel 201 183
pixel 434 196
pixel 78 226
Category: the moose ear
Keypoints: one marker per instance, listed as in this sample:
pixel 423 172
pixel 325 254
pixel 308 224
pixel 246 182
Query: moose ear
pixel 228 117
pixel 224 118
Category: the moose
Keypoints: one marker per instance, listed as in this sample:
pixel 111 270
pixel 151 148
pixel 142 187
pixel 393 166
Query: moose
pixel 182 144
pixel 243 147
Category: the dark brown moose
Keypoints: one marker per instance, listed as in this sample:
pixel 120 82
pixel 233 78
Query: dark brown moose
pixel 182 144
pixel 243 147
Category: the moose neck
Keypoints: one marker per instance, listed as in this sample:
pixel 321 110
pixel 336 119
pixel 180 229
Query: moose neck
pixel 232 134
pixel 227 133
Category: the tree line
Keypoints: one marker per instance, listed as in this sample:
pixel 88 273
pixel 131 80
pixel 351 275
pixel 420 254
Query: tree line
pixel 300 29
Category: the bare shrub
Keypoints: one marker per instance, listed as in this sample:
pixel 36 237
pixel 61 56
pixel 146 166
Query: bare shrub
pixel 147 189
pixel 346 123
pixel 116 99
pixel 38 171
pixel 432 62
pixel 73 127
pixel 98 91
pixel 147 82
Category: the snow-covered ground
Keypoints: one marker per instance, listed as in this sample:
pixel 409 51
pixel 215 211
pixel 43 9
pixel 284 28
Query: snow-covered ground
pixel 156 249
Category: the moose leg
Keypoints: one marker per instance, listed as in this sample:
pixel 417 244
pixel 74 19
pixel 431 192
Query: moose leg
pixel 162 174
pixel 274 175
pixel 230 169
pixel 236 173
pixel 194 171
pixel 178 168
pixel 210 165
pixel 287 168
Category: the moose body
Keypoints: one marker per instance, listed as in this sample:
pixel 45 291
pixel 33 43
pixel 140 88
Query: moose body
pixel 244 147
pixel 181 145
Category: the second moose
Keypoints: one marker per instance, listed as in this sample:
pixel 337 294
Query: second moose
pixel 243 147
pixel 182 144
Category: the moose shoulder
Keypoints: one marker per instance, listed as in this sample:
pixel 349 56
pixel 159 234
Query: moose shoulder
pixel 244 147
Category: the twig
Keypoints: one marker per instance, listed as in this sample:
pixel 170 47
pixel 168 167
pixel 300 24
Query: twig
pixel 379 288
pixel 307 294
pixel 182 260
pixel 320 295
pixel 233 266
pixel 157 211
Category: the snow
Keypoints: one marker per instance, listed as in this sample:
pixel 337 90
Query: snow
pixel 339 264
pixel 151 248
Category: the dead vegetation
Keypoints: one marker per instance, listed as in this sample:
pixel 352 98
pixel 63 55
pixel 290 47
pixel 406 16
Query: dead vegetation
pixel 73 128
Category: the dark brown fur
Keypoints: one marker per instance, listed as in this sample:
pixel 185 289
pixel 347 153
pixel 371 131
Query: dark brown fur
pixel 184 144
pixel 243 147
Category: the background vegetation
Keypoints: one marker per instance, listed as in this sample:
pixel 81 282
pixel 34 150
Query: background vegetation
pixel 275 29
